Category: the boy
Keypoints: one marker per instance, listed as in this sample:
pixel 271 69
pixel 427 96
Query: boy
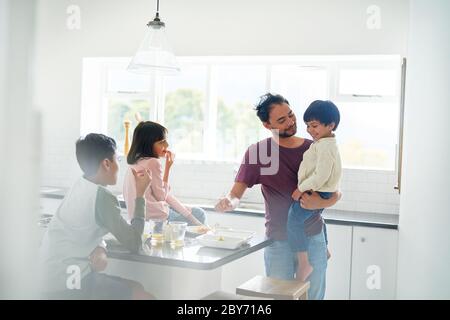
pixel 70 255
pixel 319 171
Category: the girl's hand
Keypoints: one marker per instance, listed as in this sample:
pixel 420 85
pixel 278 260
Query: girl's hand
pixel 297 194
pixel 195 221
pixel 170 158
pixel 143 180
pixel 203 228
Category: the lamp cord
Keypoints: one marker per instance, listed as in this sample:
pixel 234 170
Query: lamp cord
pixel 157 10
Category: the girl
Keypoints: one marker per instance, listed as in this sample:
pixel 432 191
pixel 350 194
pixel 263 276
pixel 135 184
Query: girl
pixel 148 145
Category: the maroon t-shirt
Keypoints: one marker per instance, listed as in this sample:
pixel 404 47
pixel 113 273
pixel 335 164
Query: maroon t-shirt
pixel 278 178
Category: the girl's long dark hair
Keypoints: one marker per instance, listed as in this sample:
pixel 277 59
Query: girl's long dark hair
pixel 144 136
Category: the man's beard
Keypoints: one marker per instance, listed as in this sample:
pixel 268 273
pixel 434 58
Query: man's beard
pixel 285 134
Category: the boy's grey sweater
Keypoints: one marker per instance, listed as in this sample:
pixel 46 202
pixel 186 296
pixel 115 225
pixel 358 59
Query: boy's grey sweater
pixel 87 213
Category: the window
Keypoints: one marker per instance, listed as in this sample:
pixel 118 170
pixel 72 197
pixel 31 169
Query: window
pixel 368 96
pixel 184 110
pixel 121 110
pixel 367 82
pixel 209 108
pixel 300 85
pixel 121 81
pixel 367 135
pixel 119 96
pixel 237 125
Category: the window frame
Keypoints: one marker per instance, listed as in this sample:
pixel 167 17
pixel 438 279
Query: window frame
pixel 335 95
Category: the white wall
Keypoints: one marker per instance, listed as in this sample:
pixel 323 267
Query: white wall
pixel 195 27
pixel 19 146
pixel 424 242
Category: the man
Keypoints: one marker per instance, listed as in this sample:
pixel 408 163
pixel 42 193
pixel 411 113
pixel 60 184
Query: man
pixel 278 179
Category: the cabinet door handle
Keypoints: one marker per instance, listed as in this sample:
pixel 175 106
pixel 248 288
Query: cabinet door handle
pixel 401 125
pixel 363 239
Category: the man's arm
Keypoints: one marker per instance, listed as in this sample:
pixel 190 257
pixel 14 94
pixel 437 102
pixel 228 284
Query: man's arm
pixel 231 201
pixel 314 201
pixel 314 224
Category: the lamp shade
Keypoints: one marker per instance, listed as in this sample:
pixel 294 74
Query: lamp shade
pixel 154 54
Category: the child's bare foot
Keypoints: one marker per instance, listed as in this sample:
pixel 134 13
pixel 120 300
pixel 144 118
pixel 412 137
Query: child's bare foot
pixel 303 272
pixel 328 254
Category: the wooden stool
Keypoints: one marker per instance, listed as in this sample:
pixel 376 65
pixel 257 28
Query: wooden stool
pixel 265 287
pixel 222 295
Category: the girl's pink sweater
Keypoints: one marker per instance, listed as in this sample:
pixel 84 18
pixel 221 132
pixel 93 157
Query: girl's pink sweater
pixel 157 197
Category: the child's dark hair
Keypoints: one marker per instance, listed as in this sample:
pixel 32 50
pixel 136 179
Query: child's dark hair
pixel 325 112
pixel 92 150
pixel 144 136
pixel 265 105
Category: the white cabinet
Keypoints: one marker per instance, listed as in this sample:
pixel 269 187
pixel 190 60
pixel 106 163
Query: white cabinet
pixel 339 265
pixel 363 263
pixel 374 263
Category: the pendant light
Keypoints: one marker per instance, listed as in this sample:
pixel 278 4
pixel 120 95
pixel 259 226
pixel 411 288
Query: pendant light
pixel 154 55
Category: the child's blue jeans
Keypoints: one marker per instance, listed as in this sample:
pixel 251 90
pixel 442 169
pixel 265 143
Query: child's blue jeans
pixel 198 213
pixel 297 239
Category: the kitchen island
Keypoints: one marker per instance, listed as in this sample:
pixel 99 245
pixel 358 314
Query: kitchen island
pixel 192 255
pixel 191 271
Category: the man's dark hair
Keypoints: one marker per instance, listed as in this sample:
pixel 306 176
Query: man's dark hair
pixel 92 150
pixel 325 112
pixel 266 103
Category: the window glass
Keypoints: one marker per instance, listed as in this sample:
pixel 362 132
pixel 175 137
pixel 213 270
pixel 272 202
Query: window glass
pixel 184 104
pixel 120 80
pixel 209 107
pixel 300 86
pixel 367 135
pixel 122 109
pixel 238 89
pixel 381 82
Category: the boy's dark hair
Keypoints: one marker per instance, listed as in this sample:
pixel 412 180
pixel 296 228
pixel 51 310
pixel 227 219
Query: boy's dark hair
pixel 145 135
pixel 92 150
pixel 325 112
pixel 265 105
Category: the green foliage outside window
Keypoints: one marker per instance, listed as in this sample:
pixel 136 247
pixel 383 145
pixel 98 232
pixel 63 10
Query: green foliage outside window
pixel 183 117
pixel 121 110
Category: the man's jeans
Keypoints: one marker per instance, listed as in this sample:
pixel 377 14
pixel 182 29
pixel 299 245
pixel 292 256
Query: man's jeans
pixel 281 262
